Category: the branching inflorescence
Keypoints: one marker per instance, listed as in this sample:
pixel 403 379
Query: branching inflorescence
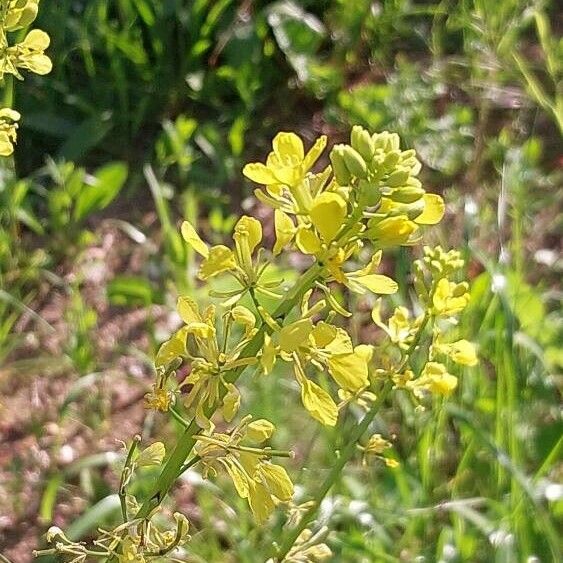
pixel 342 219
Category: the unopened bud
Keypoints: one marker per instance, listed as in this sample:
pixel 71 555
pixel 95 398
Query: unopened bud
pixel 354 162
pixel 407 194
pixel 339 167
pixel 398 178
pixel 362 142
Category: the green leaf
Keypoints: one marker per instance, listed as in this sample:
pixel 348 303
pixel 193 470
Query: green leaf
pixel 107 183
pixel 130 291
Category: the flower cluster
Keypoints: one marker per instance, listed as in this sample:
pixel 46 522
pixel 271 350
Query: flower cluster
pixel 28 54
pixel 254 476
pixel 442 299
pixel 342 219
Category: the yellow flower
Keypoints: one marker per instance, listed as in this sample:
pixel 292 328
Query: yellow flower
pixel 152 455
pixel 450 298
pixel 434 379
pixel 21 13
pixel 461 352
pixel 287 164
pixel 323 346
pixel 254 476
pixel 29 54
pixel 158 400
pixel 8 130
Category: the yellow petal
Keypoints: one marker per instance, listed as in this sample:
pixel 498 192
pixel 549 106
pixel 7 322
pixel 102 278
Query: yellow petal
pixel 188 310
pixel 153 455
pixel 6 146
pixel 277 480
pixel 201 330
pixel 294 335
pixel 323 334
pixel 39 63
pixel 314 152
pixel 341 343
pixel 434 209
pixel 289 175
pixel 378 283
pixel 268 355
pixel 318 402
pixel 172 349
pixel 231 403
pixel 239 478
pixel 350 371
pixel 259 173
pixel 260 501
pixel 252 228
pixel 307 241
pixel 193 239
pixel 36 40
pixel 285 230
pixel 220 259
pixel 327 214
pixel 260 430
pixel 289 145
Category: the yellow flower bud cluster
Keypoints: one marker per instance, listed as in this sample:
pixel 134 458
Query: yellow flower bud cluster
pixel 28 54
pixel 368 195
pixel 442 299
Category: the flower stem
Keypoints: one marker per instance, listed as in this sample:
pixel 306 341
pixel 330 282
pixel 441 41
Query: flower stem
pixel 345 455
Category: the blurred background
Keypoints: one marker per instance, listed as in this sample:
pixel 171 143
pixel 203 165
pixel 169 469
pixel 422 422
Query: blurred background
pixel 151 111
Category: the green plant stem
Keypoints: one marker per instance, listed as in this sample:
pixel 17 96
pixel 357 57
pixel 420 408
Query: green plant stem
pixel 125 475
pixel 345 455
pixel 187 440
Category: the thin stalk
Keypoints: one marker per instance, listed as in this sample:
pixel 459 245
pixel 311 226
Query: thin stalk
pixel 345 455
pixel 125 476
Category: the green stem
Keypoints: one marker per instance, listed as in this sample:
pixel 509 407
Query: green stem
pixel 345 455
pixel 187 440
pixel 125 475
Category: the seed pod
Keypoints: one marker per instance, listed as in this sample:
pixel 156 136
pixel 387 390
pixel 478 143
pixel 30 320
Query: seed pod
pixel 354 162
pixel 362 142
pixel 339 167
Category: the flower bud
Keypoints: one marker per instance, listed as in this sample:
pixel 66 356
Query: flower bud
pixel 339 168
pixel 391 160
pixel 369 194
pixel 407 194
pixel 354 162
pixel 153 455
pixel 260 430
pixel 398 178
pixel 362 142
